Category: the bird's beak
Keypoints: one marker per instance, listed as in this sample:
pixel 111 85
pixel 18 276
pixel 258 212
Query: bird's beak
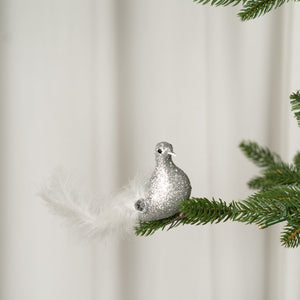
pixel 171 153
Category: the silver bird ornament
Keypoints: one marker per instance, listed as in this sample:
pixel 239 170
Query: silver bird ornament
pixel 142 199
pixel 167 187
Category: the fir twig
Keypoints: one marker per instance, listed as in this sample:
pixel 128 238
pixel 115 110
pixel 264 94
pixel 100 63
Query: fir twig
pixel 148 228
pixel 255 8
pixel 251 8
pixel 280 174
pixel 260 156
pixel 260 183
pixel 275 171
pixel 290 237
pixel 295 102
pixel 296 161
pixel 220 2
pixel 264 209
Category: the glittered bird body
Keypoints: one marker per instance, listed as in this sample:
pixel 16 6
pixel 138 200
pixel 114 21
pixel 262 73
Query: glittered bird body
pixel 167 187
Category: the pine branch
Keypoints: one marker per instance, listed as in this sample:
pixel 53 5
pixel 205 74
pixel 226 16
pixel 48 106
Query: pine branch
pixel 260 183
pixel 296 161
pixel 264 209
pixel 262 157
pixel 255 8
pixel 198 210
pixel 290 237
pixel 295 102
pixel 220 2
pixel 148 228
pixel 281 174
pixel 275 171
pixel 251 8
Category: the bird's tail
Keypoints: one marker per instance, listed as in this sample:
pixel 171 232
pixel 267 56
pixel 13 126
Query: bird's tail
pixel 91 217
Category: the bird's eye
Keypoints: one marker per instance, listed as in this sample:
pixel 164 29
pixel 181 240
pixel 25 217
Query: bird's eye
pixel 140 205
pixel 159 151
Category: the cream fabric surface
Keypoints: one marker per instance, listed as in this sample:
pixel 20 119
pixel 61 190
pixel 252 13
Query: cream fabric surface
pixel 93 86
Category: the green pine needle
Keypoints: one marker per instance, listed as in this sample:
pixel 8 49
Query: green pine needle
pixel 220 2
pixel 260 183
pixel 275 171
pixel 281 174
pixel 296 161
pixel 262 157
pixel 148 228
pixel 251 9
pixel 295 102
pixel 202 211
pixel 290 237
pixel 255 8
pixel 264 209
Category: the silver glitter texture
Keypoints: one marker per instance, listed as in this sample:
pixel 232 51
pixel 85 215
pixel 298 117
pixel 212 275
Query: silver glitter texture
pixel 167 186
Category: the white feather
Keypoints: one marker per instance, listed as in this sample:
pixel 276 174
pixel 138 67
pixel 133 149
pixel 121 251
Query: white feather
pixel 91 217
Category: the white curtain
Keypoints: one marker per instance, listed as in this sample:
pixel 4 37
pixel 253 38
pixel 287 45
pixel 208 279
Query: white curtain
pixel 93 85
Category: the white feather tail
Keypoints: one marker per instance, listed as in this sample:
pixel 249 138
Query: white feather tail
pixel 90 217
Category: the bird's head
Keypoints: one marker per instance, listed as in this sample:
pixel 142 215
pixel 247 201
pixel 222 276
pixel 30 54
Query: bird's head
pixel 163 151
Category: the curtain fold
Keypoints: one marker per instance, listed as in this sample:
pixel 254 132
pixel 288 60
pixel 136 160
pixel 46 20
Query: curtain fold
pixel 92 86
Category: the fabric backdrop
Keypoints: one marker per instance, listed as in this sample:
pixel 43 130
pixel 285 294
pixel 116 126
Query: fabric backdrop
pixel 93 85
